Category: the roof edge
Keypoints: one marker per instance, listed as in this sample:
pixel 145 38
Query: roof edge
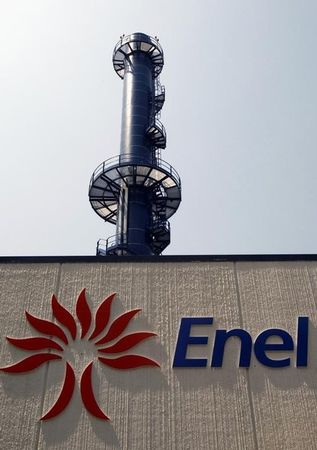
pixel 156 259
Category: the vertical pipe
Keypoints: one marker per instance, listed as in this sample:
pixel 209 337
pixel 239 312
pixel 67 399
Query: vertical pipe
pixel 137 110
pixel 138 94
pixel 139 220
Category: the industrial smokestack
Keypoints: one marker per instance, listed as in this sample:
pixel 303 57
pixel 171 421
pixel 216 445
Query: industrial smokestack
pixel 137 190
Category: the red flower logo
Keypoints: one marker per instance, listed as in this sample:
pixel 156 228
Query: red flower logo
pixel 102 338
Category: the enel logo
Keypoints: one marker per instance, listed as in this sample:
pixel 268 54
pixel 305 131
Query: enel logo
pixel 260 346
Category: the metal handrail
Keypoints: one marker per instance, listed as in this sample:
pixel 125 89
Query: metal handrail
pixel 117 239
pixel 126 161
pixel 161 222
pixel 101 246
pixel 154 51
pixel 159 88
pixel 157 123
pixel 138 37
pixel 120 240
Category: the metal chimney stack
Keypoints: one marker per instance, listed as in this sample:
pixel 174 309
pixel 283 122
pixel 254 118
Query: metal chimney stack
pixel 137 190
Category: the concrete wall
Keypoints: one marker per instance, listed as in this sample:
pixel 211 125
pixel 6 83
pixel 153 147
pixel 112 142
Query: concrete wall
pixel 151 408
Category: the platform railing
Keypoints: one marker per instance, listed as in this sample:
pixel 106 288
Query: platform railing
pixel 104 246
pixel 161 223
pixel 159 88
pixel 101 247
pixel 139 38
pixel 123 160
pixel 137 42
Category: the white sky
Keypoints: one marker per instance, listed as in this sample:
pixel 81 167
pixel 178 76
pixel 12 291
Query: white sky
pixel 240 115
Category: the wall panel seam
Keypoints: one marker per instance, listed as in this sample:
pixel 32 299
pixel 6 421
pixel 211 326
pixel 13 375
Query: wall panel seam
pixel 37 440
pixel 311 284
pixel 247 370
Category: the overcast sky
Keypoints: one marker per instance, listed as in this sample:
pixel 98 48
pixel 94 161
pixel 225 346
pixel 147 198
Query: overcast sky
pixel 240 115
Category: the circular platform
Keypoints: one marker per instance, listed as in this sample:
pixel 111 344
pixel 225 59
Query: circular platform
pixel 137 42
pixel 159 177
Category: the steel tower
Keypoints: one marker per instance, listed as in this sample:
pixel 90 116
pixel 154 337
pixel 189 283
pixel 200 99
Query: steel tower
pixel 137 190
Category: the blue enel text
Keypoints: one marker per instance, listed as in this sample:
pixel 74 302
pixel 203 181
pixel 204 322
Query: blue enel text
pixel 261 347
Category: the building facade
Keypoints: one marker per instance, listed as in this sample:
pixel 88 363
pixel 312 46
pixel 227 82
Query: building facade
pixel 166 407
